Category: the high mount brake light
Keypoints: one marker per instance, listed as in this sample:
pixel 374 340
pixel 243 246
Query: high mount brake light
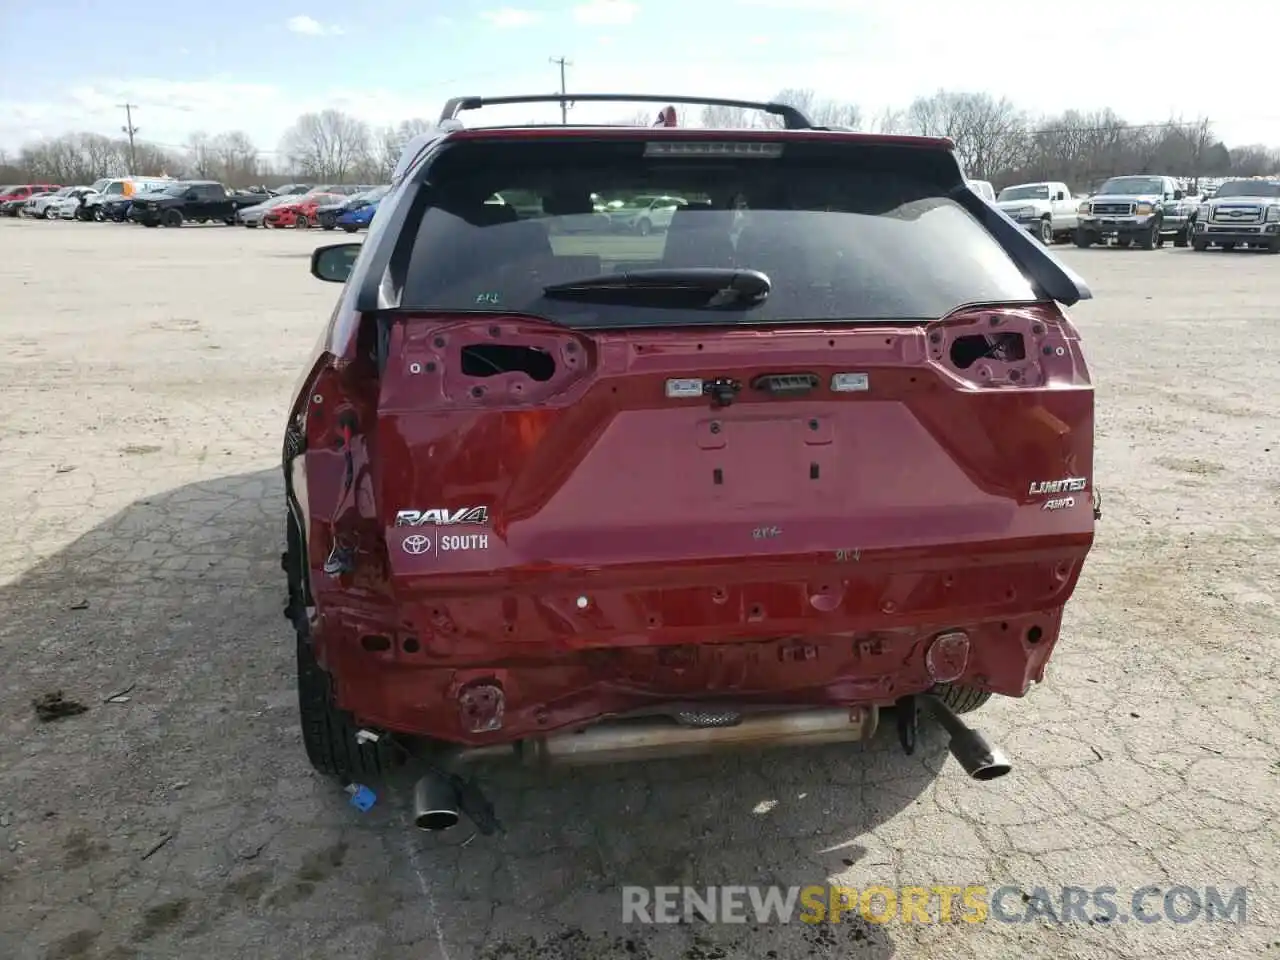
pixel 704 148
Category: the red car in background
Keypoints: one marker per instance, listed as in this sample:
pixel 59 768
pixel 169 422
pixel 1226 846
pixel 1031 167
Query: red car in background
pixel 301 214
pixel 23 191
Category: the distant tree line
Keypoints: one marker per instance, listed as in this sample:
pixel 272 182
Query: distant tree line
pixel 995 141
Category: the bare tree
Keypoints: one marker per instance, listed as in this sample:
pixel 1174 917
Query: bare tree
pixel 1254 160
pixel 236 158
pixel 994 140
pixel 639 118
pixel 155 161
pixel 329 145
pixel 76 158
pixel 390 144
pixel 200 156
pixel 889 121
pixel 731 118
pixel 824 113
pixel 990 135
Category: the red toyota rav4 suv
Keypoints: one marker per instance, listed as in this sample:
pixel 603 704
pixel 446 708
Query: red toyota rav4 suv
pixel 820 448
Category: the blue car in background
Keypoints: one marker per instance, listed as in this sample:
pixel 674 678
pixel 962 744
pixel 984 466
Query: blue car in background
pixel 353 220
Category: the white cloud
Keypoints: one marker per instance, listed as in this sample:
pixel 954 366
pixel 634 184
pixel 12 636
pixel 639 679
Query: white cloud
pixel 510 18
pixel 606 12
pixel 311 27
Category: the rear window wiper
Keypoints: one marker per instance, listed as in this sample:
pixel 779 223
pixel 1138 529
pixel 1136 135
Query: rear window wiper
pixel 701 288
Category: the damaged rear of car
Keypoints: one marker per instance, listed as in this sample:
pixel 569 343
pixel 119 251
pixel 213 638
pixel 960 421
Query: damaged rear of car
pixel 822 447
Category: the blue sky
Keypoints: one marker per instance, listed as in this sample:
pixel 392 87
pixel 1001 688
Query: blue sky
pixel 65 65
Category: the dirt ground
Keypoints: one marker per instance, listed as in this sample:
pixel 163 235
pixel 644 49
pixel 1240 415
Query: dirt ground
pixel 144 376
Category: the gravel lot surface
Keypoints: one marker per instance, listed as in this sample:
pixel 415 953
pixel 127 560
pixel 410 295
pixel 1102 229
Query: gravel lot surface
pixel 144 376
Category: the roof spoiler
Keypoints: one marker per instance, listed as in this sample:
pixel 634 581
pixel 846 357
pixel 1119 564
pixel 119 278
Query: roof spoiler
pixel 792 117
pixel 1053 277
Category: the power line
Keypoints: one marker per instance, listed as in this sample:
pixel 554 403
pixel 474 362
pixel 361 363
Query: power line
pixel 130 130
pixel 564 106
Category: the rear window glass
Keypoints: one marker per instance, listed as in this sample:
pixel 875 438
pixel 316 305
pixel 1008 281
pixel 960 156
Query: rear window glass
pixel 844 232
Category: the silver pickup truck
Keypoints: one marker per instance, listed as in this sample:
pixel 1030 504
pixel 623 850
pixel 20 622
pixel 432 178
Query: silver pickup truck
pixel 1242 212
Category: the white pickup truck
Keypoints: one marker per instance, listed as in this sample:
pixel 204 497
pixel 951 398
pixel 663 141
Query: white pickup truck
pixel 1047 209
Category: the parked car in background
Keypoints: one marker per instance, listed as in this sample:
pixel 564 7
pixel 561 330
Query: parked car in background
pixel 984 189
pixel 644 214
pixel 328 214
pixel 108 190
pixel 1129 209
pixel 301 213
pixel 25 191
pixel 358 218
pixel 200 201
pixel 291 189
pixel 1045 209
pixel 1177 219
pixel 115 209
pixel 1241 212
pixel 69 206
pixel 13 207
pixel 253 217
pixel 40 206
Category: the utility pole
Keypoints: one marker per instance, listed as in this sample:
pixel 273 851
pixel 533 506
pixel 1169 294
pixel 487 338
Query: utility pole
pixel 129 130
pixel 564 104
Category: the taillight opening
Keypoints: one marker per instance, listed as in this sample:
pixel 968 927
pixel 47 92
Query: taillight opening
pixel 1005 347
pixel 492 359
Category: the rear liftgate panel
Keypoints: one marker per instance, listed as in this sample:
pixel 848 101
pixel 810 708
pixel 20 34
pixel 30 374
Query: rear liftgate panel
pixel 546 491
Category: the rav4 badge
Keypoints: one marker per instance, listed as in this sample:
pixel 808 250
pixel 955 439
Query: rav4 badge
pixel 442 517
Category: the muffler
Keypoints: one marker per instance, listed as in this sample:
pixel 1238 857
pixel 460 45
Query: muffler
pixel 435 802
pixel 980 760
pixel 651 738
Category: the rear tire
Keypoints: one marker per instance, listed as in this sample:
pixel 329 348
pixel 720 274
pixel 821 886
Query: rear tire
pixel 301 222
pixel 172 218
pixel 328 734
pixel 1046 232
pixel 961 699
pixel 1183 238
pixel 350 229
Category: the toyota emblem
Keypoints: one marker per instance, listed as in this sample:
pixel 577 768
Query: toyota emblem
pixel 416 544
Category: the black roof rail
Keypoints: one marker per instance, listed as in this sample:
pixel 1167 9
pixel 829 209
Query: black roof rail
pixel 792 117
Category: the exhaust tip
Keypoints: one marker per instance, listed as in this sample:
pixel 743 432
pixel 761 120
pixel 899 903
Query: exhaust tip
pixel 980 760
pixel 433 820
pixel 996 768
pixel 435 803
